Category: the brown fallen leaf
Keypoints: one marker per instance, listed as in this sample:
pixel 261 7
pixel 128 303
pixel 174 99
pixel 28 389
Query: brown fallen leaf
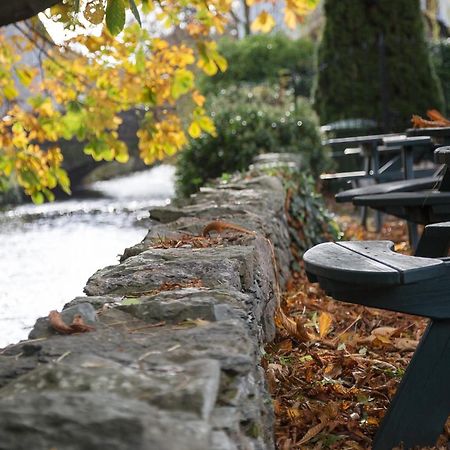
pixel 77 326
pixel 220 226
pixel 325 321
pixel 58 324
pixel 294 326
pixel 405 344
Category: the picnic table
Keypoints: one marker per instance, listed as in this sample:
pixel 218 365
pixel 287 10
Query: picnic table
pixel 373 148
pixel 417 207
pixel 399 150
pixel 370 273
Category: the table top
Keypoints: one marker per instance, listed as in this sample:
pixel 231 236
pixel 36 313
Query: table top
pixel 430 131
pixel 355 140
pixel 406 141
pixel 419 199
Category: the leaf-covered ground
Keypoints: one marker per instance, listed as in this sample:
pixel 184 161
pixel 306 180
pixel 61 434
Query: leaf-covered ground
pixel 334 366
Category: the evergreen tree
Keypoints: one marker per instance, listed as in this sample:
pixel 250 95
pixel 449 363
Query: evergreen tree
pixel 373 63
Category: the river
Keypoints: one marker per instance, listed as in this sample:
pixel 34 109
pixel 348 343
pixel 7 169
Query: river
pixel 47 252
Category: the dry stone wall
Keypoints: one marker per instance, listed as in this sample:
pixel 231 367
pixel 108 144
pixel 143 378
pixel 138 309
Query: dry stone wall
pixel 174 361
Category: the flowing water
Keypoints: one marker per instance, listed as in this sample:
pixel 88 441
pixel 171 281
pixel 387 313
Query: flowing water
pixel 48 252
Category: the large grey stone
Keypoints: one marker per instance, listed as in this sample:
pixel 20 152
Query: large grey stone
pixel 42 327
pixel 229 341
pixel 189 388
pixel 210 210
pixel 93 421
pixel 147 271
pixel 191 303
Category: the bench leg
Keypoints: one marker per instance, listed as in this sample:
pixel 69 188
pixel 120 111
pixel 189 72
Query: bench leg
pixel 412 234
pixel 421 405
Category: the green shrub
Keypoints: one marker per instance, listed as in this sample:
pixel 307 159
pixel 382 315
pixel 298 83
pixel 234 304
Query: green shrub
pixel 309 221
pixel 440 56
pixel 373 63
pixel 250 121
pixel 264 58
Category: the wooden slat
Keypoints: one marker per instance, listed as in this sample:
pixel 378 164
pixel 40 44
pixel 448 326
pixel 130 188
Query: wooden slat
pixel 411 268
pixel 434 132
pixel 386 188
pixel 357 174
pixel 420 198
pixel 336 262
pixel 374 138
pixel 369 262
pixel 406 141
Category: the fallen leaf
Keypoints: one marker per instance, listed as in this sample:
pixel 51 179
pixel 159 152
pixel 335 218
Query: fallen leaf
pixel 384 334
pixel 314 431
pixel 58 324
pixel 325 321
pixel 405 344
pixel 77 326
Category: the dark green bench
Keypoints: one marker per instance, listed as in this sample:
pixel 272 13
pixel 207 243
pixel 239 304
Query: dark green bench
pixel 370 273
pixel 415 184
pixel 418 206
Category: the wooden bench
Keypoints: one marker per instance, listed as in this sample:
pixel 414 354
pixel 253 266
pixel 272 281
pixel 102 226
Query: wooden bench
pixel 370 273
pixel 414 184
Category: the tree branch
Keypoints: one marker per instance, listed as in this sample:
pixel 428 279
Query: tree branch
pixel 16 10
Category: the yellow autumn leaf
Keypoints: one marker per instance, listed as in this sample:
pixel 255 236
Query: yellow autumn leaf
pixel 290 19
pixel 198 98
pixel 194 130
pixel 325 321
pixel 264 23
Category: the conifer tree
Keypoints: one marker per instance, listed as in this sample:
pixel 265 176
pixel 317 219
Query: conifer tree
pixel 373 63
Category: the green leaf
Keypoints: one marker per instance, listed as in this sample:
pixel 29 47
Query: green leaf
pixel 72 121
pixel 10 91
pixel 146 6
pixel 63 180
pixel 140 60
pixel 115 16
pixel 24 75
pixel 99 149
pixel 183 81
pixel 135 11
pixel 38 198
pixel 49 194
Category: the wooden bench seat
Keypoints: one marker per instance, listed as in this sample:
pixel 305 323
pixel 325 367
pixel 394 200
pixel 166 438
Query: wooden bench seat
pixel 421 207
pixel 370 273
pixel 414 184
